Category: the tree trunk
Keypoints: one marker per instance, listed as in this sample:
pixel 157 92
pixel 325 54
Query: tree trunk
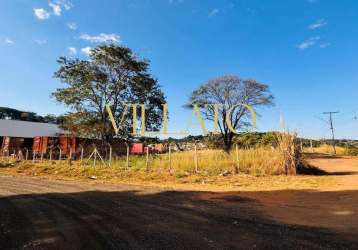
pixel 228 142
pixel 227 145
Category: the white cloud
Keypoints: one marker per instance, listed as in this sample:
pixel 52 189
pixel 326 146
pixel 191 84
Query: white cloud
pixel 324 45
pixel 56 9
pixel 41 42
pixel 101 38
pixel 309 43
pixel 9 41
pixel 72 26
pixel 86 51
pixel 214 12
pixel 67 5
pixel 72 50
pixel 41 13
pixel 318 24
pixel 56 5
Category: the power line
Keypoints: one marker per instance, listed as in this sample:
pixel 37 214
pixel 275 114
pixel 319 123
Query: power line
pixel 321 119
pixel 331 127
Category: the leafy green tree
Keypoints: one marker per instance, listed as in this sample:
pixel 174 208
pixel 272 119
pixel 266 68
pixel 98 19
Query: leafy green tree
pixel 113 76
pixel 50 118
pixel 15 114
pixel 232 94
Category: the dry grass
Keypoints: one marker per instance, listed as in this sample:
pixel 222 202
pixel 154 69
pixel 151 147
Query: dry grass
pixel 289 152
pixel 261 161
pixel 326 149
pixel 256 162
pixel 103 174
pixel 213 166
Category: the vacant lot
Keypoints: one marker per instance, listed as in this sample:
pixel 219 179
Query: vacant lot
pixel 39 213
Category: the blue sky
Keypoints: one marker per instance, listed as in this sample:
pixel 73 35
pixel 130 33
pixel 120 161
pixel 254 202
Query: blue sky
pixel 305 50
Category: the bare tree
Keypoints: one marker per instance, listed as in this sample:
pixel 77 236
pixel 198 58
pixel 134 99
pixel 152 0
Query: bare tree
pixel 233 96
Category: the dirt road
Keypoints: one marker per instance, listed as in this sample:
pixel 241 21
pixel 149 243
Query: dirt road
pixel 45 214
pixel 334 207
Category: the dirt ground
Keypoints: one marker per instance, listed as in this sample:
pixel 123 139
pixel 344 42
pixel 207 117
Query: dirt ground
pixel 39 213
pixel 334 207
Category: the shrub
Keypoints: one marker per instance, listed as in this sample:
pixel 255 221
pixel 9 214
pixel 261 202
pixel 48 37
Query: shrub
pixel 291 155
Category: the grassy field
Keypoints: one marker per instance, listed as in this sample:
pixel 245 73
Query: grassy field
pixel 255 162
pixel 265 167
pixel 245 169
pixel 328 149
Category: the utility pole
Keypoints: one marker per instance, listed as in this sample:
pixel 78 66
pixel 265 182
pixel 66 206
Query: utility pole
pixel 332 129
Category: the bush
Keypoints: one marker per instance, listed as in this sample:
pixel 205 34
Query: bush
pixel 352 151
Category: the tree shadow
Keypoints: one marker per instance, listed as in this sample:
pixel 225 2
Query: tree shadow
pixel 154 220
pixel 6 164
pixel 306 168
pixel 322 156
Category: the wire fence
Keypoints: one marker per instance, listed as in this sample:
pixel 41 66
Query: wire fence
pixel 96 157
pixel 256 161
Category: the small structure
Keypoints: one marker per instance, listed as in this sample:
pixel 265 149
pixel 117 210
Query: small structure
pixel 160 148
pixel 137 148
pixel 16 135
pixel 45 138
pixel 40 144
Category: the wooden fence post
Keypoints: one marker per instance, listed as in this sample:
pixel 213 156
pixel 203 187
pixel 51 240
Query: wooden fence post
pixel 42 155
pixel 237 159
pixel 20 155
pixel 27 154
pixel 70 157
pixel 196 158
pixel 170 158
pixel 127 160
pixel 51 154
pixel 110 155
pixel 81 155
pixel 95 158
pixel 147 159
pixel 60 156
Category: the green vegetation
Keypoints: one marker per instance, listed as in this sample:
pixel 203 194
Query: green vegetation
pixel 15 114
pixel 114 76
pixel 260 161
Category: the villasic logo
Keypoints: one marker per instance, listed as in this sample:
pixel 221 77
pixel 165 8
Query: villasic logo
pixel 196 111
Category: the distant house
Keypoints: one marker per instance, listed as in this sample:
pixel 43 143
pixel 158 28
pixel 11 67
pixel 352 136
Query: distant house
pixel 138 148
pixel 159 148
pixel 16 135
pixel 41 138
pixel 25 129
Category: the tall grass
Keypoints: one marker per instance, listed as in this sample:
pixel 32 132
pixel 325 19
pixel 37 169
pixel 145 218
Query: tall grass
pixel 289 151
pixel 261 161
pixel 327 149
pixel 256 161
